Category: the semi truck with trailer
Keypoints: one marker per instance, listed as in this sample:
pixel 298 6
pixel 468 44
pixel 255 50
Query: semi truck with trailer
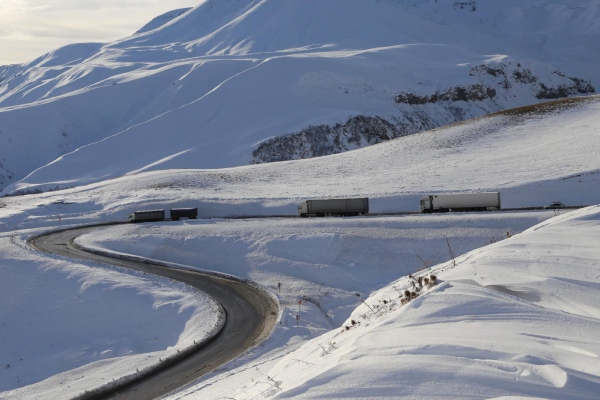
pixel 484 201
pixel 147 216
pixel 344 207
pixel 178 213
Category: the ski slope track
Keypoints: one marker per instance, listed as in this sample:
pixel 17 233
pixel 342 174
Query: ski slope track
pixel 251 316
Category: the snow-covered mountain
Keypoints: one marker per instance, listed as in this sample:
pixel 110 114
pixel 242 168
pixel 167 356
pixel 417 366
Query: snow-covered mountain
pixel 162 19
pixel 216 85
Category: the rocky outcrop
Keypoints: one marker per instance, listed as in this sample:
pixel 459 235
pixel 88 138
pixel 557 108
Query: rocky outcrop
pixel 579 86
pixel 548 88
pixel 508 77
pixel 496 88
pixel 466 5
pixel 322 140
pixel 475 92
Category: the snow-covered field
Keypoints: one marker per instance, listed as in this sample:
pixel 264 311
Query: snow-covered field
pixel 533 157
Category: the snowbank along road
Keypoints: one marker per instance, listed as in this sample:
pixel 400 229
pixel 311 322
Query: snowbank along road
pixel 251 316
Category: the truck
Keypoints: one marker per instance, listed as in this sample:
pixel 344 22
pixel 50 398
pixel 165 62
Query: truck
pixel 344 207
pixel 178 213
pixel 147 216
pixel 483 201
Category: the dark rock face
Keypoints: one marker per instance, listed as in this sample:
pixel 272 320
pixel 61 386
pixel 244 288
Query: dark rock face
pixel 509 77
pixel 322 140
pixel 583 86
pixel 475 92
pixel 579 86
pixel 498 85
pixel 466 5
pixel 517 75
pixel 524 76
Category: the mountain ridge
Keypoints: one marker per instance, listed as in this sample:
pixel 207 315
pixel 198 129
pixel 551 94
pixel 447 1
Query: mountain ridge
pixel 208 87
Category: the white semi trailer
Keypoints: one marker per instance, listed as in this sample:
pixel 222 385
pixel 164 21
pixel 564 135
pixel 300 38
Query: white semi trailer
pixel 321 208
pixel 484 201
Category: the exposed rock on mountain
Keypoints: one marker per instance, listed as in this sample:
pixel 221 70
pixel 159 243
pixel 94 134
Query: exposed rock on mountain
pixel 322 140
pixel 204 88
pixel 499 82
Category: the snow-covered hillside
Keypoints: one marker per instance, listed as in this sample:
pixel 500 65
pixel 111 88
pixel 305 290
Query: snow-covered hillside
pixel 210 87
pixel 532 156
pixel 99 323
pixel 162 19
pixel 516 319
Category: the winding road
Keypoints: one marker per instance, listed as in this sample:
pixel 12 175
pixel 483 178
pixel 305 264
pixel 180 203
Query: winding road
pixel 251 316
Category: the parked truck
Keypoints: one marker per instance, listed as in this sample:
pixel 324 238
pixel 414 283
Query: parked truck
pixel 484 201
pixel 178 213
pixel 147 216
pixel 321 208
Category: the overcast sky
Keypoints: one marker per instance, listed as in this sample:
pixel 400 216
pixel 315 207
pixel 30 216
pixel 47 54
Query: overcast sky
pixel 30 28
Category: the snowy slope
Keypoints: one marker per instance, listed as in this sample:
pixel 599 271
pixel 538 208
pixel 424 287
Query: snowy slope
pixel 205 89
pixel 516 319
pixel 540 28
pixel 162 19
pixel 533 156
pixel 98 322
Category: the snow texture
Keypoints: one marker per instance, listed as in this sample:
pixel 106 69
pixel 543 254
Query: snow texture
pixel 101 324
pixel 173 116
pixel 162 20
pixel 532 156
pixel 211 86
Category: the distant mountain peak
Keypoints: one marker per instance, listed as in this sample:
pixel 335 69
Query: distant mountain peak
pixel 163 19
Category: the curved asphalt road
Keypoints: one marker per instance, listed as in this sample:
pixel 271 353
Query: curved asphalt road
pixel 251 316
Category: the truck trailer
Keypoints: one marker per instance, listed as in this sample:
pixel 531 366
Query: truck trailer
pixel 178 213
pixel 147 216
pixel 484 201
pixel 344 207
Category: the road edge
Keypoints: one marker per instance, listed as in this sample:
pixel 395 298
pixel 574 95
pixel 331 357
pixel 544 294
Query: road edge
pixel 110 387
